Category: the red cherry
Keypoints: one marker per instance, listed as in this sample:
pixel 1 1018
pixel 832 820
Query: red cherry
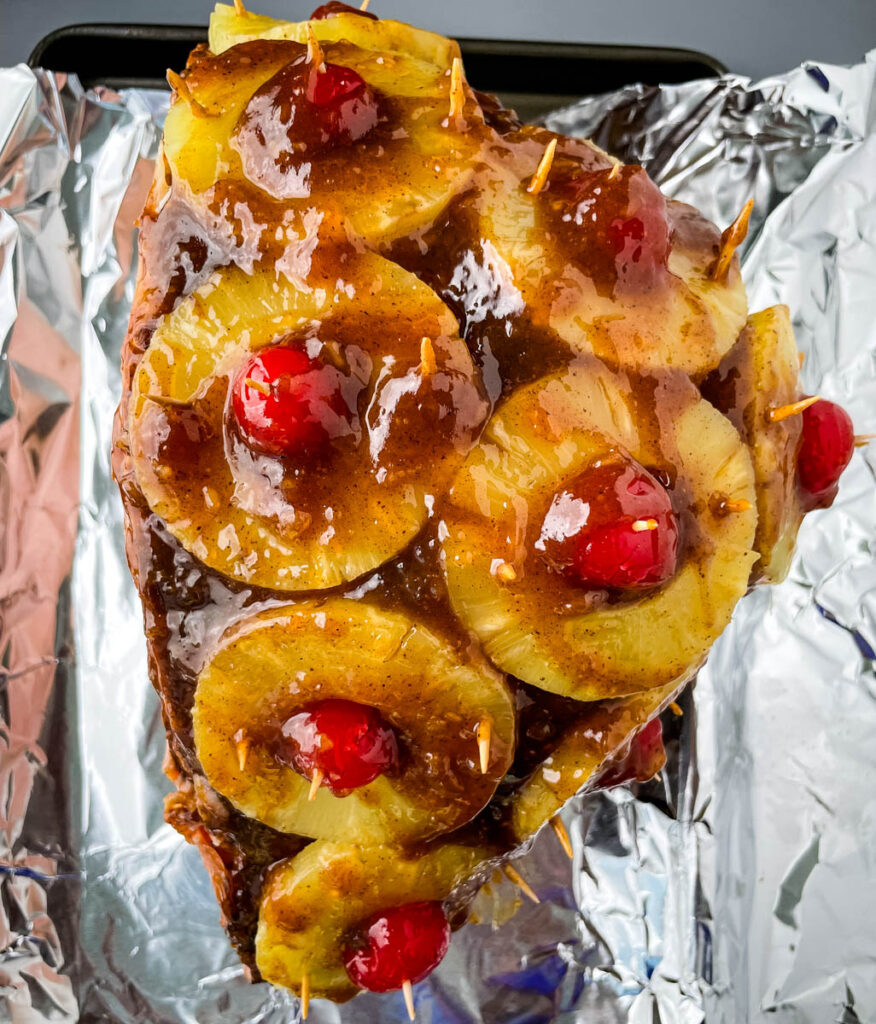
pixel 617 227
pixel 286 403
pixel 613 527
pixel 348 742
pixel 627 235
pixel 300 112
pixel 394 946
pixel 827 442
pixel 646 757
pixel 336 87
pixel 335 7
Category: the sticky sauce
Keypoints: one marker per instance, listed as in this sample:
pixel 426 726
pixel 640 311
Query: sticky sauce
pixel 360 171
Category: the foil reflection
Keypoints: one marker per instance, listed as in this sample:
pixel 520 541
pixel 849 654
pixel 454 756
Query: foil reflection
pixel 739 886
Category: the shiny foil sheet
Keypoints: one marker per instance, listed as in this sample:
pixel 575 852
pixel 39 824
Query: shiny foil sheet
pixel 739 886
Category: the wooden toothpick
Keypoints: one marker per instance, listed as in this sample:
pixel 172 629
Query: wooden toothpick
pixel 513 875
pixel 563 836
pixel 408 993
pixel 428 363
pixel 737 505
pixel 315 783
pixel 181 88
pixel 782 412
pixel 484 736
pixel 258 385
pixel 457 91
pixel 506 572
pixel 305 996
pixel 732 238
pixel 539 179
pixel 314 50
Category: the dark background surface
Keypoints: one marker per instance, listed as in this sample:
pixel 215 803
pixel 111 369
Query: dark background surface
pixel 755 37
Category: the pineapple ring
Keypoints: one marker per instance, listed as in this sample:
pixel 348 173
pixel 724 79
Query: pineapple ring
pixel 541 628
pixel 761 372
pixel 583 749
pixel 687 324
pixel 227 28
pixel 264 673
pixel 312 902
pixel 334 522
pixel 392 182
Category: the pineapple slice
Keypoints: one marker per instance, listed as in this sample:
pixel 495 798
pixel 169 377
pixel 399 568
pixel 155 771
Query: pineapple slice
pixel 532 622
pixel 341 649
pixel 695 244
pixel 291 527
pixel 600 734
pixel 228 28
pixel 311 903
pixel 393 181
pixel 684 320
pixel 759 373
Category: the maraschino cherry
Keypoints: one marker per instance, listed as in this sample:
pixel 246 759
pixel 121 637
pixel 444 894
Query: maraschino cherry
pixel 613 527
pixel 335 7
pixel 827 442
pixel 345 744
pixel 286 403
pixel 347 108
pixel 397 946
pixel 646 757
pixel 618 224
pixel 308 106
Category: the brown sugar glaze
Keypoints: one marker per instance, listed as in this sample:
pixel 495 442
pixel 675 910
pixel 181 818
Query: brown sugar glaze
pixel 185 236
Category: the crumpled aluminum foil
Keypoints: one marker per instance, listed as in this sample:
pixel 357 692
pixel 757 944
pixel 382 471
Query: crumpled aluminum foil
pixel 741 886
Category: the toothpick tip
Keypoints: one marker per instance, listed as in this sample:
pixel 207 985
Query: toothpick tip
pixel 305 996
pixel 539 179
pixel 258 385
pixel 513 875
pixel 731 239
pixel 484 738
pixel 562 834
pixel 428 363
pixel 782 412
pixel 408 993
pixel 314 50
pixel 457 90
pixel 315 783
pixel 181 87
pixel 506 572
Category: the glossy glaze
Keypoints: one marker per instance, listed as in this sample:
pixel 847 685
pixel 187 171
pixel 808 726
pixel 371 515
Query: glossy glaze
pixel 293 169
pixel 349 744
pixel 402 944
pixel 612 527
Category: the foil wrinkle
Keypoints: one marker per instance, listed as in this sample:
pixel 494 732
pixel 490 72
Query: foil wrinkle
pixel 739 886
